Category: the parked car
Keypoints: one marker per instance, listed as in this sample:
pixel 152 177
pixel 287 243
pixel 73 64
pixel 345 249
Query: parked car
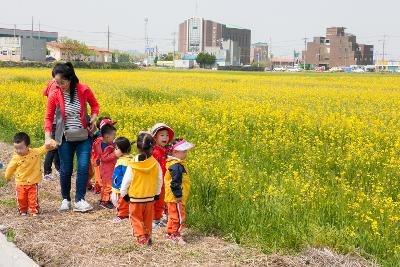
pixel 50 58
pixel 336 69
pixel 294 70
pixel 358 70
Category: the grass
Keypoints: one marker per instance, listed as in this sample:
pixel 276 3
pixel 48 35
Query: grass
pixel 9 203
pixel 3 181
pixel 10 235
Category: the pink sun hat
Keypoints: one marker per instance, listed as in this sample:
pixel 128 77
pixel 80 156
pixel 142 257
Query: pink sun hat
pixel 182 145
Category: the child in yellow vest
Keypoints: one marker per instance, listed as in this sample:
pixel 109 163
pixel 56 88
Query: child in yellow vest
pixel 142 184
pixel 26 163
pixel 177 187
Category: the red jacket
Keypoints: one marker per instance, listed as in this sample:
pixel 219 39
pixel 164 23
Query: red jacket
pixel 51 85
pixel 108 159
pixel 160 154
pixel 57 98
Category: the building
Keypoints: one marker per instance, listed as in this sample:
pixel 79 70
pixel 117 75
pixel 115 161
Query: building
pixel 284 63
pixel 337 49
pixel 228 54
pixel 100 55
pixel 22 48
pixel 195 34
pixel 58 51
pixel 48 36
pixel 259 53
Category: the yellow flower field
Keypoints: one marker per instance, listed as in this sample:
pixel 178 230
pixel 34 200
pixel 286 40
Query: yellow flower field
pixel 281 161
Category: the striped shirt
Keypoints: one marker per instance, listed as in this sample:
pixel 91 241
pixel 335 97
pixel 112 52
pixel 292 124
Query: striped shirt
pixel 72 111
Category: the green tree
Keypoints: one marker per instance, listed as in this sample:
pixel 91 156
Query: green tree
pixel 205 60
pixel 75 50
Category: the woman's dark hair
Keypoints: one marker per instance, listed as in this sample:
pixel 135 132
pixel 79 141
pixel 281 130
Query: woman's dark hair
pixel 67 72
pixel 107 129
pixel 22 137
pixel 145 144
pixel 123 144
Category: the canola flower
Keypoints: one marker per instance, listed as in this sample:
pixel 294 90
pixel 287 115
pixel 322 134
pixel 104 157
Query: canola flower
pixel 282 161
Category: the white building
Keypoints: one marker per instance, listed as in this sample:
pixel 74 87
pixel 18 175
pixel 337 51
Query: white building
pixel 57 51
pixel 228 54
pixel 22 48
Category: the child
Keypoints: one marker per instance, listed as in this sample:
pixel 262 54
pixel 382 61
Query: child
pixel 108 159
pixel 142 184
pixel 25 163
pixel 122 150
pixel 95 158
pixel 177 186
pixel 162 135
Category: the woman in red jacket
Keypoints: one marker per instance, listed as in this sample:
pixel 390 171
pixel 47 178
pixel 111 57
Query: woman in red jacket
pixel 72 131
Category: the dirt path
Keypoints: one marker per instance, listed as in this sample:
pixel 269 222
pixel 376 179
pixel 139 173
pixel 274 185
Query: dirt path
pixel 91 239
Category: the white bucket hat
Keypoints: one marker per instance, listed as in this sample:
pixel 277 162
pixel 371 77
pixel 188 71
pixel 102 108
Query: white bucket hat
pixel 162 126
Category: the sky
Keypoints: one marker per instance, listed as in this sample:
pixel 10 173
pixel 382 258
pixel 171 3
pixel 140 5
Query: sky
pixel 283 24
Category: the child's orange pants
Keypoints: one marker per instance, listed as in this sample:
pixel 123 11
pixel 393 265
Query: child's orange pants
pixel 176 218
pixel 106 188
pixel 141 217
pixel 97 177
pixel 159 205
pixel 27 197
pixel 123 207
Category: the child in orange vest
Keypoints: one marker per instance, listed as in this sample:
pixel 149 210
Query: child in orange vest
pixel 122 150
pixel 142 184
pixel 177 187
pixel 25 163
pixel 162 134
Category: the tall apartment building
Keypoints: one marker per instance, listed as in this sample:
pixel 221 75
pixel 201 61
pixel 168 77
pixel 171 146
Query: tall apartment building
pixel 338 48
pixel 195 34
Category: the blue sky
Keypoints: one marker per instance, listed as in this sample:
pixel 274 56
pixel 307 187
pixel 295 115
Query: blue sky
pixel 285 23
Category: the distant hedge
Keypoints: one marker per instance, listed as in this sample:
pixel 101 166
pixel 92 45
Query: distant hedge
pixel 77 64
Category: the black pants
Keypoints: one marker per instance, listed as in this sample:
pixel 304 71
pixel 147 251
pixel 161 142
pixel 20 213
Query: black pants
pixel 51 156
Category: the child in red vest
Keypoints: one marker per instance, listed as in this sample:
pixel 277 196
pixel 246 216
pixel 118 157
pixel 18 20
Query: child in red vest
pixel 162 135
pixel 95 158
pixel 108 159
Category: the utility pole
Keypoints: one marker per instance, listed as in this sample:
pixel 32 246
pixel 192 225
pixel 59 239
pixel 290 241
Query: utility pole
pixel 383 49
pixel 174 43
pixel 15 30
pixel 146 36
pixel 32 40
pixel 305 50
pixel 108 37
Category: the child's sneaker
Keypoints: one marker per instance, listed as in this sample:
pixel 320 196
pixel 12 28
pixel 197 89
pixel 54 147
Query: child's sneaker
pixel 119 219
pixel 48 177
pixel 179 240
pixel 149 241
pixel 106 205
pixel 24 213
pixel 34 214
pixel 176 239
pixel 142 240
